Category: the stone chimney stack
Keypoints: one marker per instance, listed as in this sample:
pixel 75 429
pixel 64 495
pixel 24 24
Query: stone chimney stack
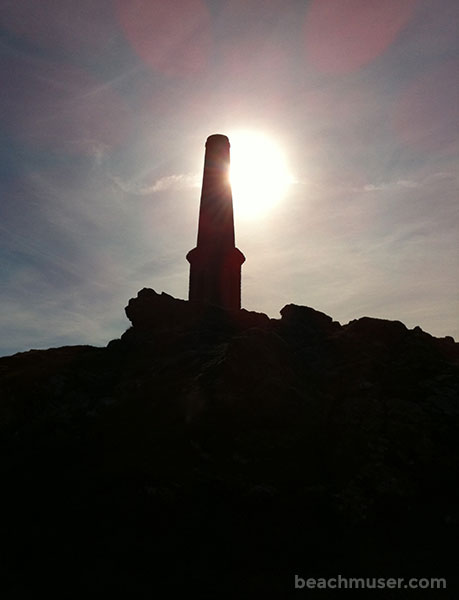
pixel 215 263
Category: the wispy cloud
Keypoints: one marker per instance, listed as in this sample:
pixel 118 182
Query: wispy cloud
pixel 180 182
pixel 400 183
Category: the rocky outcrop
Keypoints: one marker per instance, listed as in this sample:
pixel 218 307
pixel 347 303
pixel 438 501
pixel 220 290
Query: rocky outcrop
pixel 151 313
pixel 208 445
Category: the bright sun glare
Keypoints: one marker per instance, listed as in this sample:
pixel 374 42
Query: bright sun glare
pixel 259 174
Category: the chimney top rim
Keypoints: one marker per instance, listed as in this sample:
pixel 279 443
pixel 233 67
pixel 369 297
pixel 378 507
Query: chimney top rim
pixel 217 139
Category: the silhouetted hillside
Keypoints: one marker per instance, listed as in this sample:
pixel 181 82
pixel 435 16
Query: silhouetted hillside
pixel 215 454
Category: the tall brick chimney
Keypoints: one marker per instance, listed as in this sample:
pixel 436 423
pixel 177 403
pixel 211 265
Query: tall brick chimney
pixel 215 263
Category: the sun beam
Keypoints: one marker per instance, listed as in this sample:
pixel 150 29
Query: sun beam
pixel 259 174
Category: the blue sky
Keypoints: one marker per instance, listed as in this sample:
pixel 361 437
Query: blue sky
pixel 104 111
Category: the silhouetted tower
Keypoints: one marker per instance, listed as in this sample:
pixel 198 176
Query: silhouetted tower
pixel 215 263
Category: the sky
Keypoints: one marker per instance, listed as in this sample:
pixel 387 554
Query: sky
pixel 105 108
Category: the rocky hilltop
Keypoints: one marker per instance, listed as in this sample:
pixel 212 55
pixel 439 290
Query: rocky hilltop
pixel 217 454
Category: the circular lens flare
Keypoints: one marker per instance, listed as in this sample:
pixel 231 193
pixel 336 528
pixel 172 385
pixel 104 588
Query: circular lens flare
pixel 259 174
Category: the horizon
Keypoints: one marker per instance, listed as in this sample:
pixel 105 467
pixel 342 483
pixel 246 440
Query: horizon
pixel 103 129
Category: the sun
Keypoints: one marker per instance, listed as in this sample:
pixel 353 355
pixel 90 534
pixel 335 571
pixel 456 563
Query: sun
pixel 259 173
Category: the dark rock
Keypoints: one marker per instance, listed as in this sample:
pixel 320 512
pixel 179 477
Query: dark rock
pixel 208 445
pixel 307 321
pixel 369 330
pixel 154 313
